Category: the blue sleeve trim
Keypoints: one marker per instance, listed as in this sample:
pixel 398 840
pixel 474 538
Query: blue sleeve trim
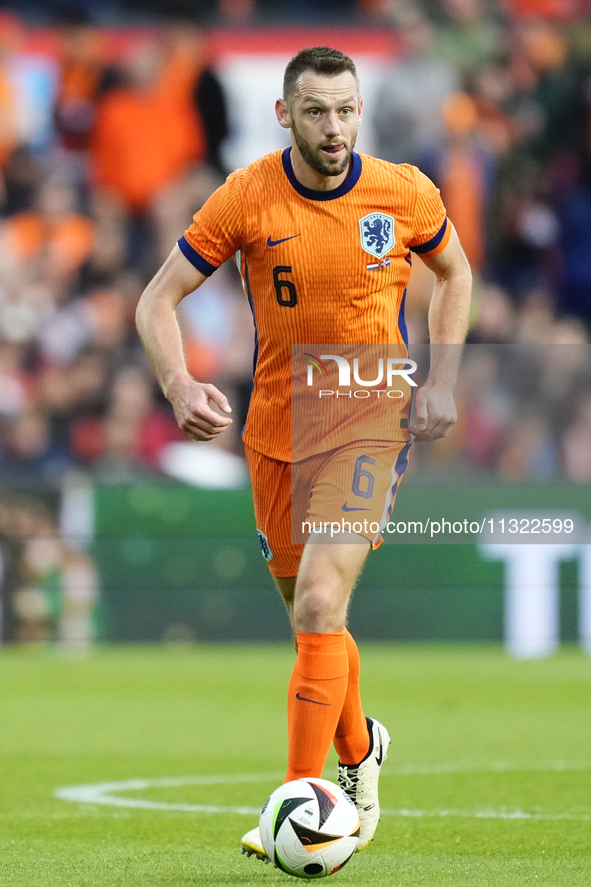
pixel 194 258
pixel 433 243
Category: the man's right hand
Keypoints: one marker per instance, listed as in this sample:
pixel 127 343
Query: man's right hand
pixel 190 402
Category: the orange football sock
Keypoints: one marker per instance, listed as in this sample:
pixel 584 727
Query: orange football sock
pixel 315 700
pixel 351 738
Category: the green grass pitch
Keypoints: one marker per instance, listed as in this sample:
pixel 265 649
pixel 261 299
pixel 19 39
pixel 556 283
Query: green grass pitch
pixel 488 783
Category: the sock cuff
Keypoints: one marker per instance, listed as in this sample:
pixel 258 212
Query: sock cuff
pixel 321 656
pixel 352 652
pixel 315 642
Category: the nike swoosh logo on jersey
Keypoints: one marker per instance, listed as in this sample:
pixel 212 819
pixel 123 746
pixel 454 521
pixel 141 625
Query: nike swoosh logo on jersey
pixel 315 701
pixel 275 242
pixel 345 507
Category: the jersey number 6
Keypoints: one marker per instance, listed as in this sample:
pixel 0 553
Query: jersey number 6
pixel 292 297
pixel 361 472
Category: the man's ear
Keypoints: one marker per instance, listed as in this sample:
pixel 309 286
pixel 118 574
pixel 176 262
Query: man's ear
pixel 282 112
pixel 360 109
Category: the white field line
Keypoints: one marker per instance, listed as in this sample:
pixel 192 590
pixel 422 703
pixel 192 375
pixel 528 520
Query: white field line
pixel 494 767
pixel 100 792
pixel 103 792
pixel 487 813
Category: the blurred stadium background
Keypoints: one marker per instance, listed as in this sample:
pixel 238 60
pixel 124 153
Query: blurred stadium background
pixel 115 126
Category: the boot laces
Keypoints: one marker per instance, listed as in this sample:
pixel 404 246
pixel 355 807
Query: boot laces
pixel 348 779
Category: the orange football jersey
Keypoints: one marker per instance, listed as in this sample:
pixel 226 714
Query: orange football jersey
pixel 317 267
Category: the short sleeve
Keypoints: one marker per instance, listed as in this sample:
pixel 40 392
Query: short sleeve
pixel 431 227
pixel 217 230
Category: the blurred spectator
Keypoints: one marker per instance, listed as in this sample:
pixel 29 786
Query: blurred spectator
pixel 236 10
pixel 495 319
pixel 576 448
pixel 409 120
pixel 535 319
pixel 22 177
pixel 49 590
pixel 489 408
pixel 469 38
pixel 126 444
pixel 27 89
pixel 84 76
pixel 13 382
pixel 529 450
pixel 159 165
pixel 188 69
pixel 30 449
pixel 491 87
pixel 464 172
pixel 574 214
pixel 134 162
pixel 9 134
pixel 52 233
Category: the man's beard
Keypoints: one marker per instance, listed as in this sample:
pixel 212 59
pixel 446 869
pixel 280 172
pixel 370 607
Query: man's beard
pixel 315 161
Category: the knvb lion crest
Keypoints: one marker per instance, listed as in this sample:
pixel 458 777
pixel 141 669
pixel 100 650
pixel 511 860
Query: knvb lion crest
pixel 265 547
pixel 377 234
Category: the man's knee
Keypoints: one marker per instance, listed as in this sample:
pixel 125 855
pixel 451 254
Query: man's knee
pixel 320 607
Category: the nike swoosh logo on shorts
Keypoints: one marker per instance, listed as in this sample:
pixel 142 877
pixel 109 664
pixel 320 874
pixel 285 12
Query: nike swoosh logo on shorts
pixel 345 507
pixel 315 701
pixel 275 242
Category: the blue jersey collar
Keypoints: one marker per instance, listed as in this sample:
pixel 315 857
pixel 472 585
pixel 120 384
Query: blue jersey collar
pixel 312 193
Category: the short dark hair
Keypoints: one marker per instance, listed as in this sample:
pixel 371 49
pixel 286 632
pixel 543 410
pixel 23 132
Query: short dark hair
pixel 321 60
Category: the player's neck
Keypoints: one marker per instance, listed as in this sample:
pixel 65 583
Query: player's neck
pixel 309 178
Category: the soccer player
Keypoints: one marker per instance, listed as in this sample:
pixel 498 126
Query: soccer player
pixel 306 226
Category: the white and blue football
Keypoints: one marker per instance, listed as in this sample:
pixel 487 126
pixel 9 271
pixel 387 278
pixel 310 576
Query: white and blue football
pixel 309 828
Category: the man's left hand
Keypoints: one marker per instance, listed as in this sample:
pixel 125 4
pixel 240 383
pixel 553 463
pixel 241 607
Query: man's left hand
pixel 434 412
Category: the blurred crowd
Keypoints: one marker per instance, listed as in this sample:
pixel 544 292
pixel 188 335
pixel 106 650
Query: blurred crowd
pixel 107 149
pixel 524 414
pixel 48 585
pixel 497 110
pixel 97 184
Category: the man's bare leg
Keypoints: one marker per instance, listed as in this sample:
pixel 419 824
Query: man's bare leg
pixel 317 600
pixel 351 738
pixel 318 687
pixel 323 586
pixel 319 604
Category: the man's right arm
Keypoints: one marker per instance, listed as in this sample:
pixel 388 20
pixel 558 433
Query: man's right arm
pixel 159 331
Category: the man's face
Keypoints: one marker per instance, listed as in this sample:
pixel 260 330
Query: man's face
pixel 324 116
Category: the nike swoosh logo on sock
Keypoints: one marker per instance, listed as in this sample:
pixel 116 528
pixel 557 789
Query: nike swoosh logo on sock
pixel 315 701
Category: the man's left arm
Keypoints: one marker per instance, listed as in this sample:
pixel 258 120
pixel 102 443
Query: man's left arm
pixel 434 408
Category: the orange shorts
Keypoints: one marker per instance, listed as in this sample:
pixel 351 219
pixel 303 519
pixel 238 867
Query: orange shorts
pixel 348 490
